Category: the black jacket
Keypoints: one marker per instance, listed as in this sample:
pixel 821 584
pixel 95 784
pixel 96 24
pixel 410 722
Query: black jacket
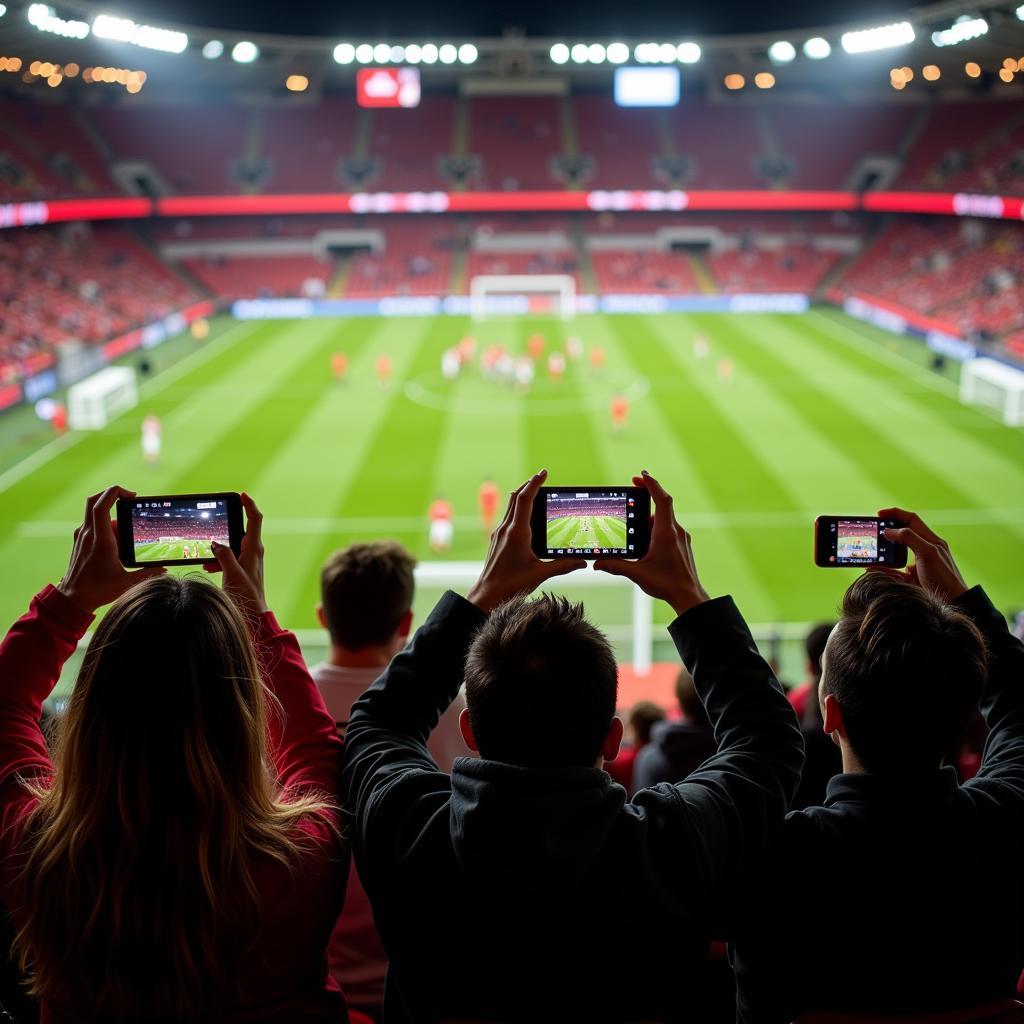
pixel 899 894
pixel 675 750
pixel 505 893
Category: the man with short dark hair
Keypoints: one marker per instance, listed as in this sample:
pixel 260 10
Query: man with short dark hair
pixel 822 758
pixel 903 892
pixel 524 886
pixel 366 594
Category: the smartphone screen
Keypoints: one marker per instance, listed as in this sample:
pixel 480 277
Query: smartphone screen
pixel 177 529
pixel 591 522
pixel 856 541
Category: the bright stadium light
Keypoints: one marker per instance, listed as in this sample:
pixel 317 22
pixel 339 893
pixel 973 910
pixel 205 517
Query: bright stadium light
pixel 688 53
pixel 364 53
pixel 1020 12
pixel 817 48
pixel 559 53
pixel 344 53
pixel 468 53
pixel 882 37
pixel 618 53
pixel 414 53
pixel 124 30
pixel 382 53
pixel 397 55
pixel 42 16
pixel 244 52
pixel 213 49
pixel 667 53
pixel 3 10
pixel 962 30
pixel 596 53
pixel 448 54
pixel 579 53
pixel 781 52
pixel 429 54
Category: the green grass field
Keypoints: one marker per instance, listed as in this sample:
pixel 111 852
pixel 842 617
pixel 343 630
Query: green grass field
pixel 587 532
pixel 158 551
pixel 822 415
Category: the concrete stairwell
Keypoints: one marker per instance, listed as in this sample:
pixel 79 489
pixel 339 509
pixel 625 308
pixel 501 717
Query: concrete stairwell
pixel 338 280
pixel 568 141
pixel 705 281
pixel 252 147
pixel 458 279
pixel 769 144
pixel 460 136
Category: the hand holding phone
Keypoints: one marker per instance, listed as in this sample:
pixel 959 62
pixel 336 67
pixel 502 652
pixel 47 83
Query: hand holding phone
pixel 934 567
pixel 667 571
pixel 591 522
pixel 177 529
pixel 857 542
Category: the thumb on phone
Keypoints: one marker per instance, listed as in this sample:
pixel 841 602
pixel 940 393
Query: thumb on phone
pixel 616 567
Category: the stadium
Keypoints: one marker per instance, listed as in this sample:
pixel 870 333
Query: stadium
pixel 367 274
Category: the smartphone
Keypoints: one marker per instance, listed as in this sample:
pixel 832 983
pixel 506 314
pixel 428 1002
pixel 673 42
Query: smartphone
pixel 851 541
pixel 591 522
pixel 177 529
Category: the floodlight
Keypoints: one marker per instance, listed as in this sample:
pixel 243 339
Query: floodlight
pixel 429 54
pixel 667 53
pixel 448 54
pixel 3 10
pixel 468 53
pixel 646 53
pixel 364 53
pixel 817 48
pixel 596 52
pixel 963 29
pixel 1020 12
pixel 296 83
pixel 414 53
pixel 124 30
pixel 781 52
pixel 397 54
pixel 245 52
pixel 382 53
pixel 344 53
pixel 618 53
pixel 559 53
pixel 213 49
pixel 882 37
pixel 688 53
pixel 42 16
pixel 579 53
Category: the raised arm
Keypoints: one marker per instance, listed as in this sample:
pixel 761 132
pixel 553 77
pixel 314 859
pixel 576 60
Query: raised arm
pixel 730 808
pixel 303 740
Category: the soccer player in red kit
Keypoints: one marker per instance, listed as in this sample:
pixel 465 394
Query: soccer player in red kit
pixel 488 498
pixel 339 366
pixel 59 420
pixel 597 359
pixel 383 366
pixel 441 526
pixel 620 412
pixel 535 346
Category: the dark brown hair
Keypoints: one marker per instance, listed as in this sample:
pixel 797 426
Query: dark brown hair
pixel 365 591
pixel 907 671
pixel 541 684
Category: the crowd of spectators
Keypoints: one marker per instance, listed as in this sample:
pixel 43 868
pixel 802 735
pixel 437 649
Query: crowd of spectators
pixel 191 861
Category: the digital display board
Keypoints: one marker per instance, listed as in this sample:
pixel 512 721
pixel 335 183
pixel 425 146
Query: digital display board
pixel 647 87
pixel 388 87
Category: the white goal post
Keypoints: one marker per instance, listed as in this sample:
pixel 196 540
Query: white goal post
pixel 95 401
pixel 517 294
pixel 989 382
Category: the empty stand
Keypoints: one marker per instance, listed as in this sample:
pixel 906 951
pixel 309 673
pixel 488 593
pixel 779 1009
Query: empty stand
pixel 259 276
pixel 630 271
pixel 791 268
pixel 720 139
pixel 623 142
pixel 516 138
pixel 304 145
pixel 409 144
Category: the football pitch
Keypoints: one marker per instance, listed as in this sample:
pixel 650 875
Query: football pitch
pixel 160 550
pixel 822 415
pixel 587 532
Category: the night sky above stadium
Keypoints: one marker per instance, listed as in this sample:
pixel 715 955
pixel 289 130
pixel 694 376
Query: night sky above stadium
pixel 538 17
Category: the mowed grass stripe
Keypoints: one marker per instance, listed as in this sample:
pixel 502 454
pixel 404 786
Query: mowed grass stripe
pixel 863 349
pixel 321 465
pixel 564 443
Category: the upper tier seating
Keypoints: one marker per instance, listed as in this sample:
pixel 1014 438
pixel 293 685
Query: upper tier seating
pixel 259 276
pixel 516 137
pixel 304 145
pixel 409 144
pixel 622 142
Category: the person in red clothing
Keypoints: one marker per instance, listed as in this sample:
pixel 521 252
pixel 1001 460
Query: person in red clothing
pixel 620 413
pixel 180 857
pixel 59 420
pixel 339 366
pixel 488 497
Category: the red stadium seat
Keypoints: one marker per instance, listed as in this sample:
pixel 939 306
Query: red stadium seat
pixel 1002 1011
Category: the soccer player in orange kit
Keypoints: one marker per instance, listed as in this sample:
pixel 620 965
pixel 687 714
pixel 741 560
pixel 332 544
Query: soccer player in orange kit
pixel 488 498
pixel 620 412
pixel 442 527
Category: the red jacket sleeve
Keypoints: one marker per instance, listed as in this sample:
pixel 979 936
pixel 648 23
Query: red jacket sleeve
pixel 31 658
pixel 303 739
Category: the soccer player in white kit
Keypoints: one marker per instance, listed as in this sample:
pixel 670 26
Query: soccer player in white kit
pixel 151 439
pixel 451 363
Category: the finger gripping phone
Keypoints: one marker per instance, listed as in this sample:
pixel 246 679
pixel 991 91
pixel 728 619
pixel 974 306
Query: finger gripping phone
pixel 591 522
pixel 856 541
pixel 177 529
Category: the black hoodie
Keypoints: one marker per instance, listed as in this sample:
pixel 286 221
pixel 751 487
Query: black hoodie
pixel 504 893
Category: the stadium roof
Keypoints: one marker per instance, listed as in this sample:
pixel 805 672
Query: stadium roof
pixel 516 60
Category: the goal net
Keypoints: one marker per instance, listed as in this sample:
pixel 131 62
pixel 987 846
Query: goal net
pixel 989 382
pixel 519 294
pixel 95 401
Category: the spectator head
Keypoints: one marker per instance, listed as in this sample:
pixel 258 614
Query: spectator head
pixel 902 676
pixel 541 687
pixel 366 594
pixel 690 704
pixel 642 716
pixel 140 854
pixel 815 646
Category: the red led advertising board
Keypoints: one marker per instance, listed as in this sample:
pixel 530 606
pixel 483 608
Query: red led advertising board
pixel 388 87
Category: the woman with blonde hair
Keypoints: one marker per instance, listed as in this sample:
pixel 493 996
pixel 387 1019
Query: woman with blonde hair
pixel 180 857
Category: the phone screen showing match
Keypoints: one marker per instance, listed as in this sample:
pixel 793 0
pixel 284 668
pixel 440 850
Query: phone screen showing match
pixel 856 542
pixel 178 529
pixel 589 523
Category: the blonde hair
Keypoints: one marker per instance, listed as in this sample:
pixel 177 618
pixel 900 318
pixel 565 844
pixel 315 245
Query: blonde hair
pixel 139 859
